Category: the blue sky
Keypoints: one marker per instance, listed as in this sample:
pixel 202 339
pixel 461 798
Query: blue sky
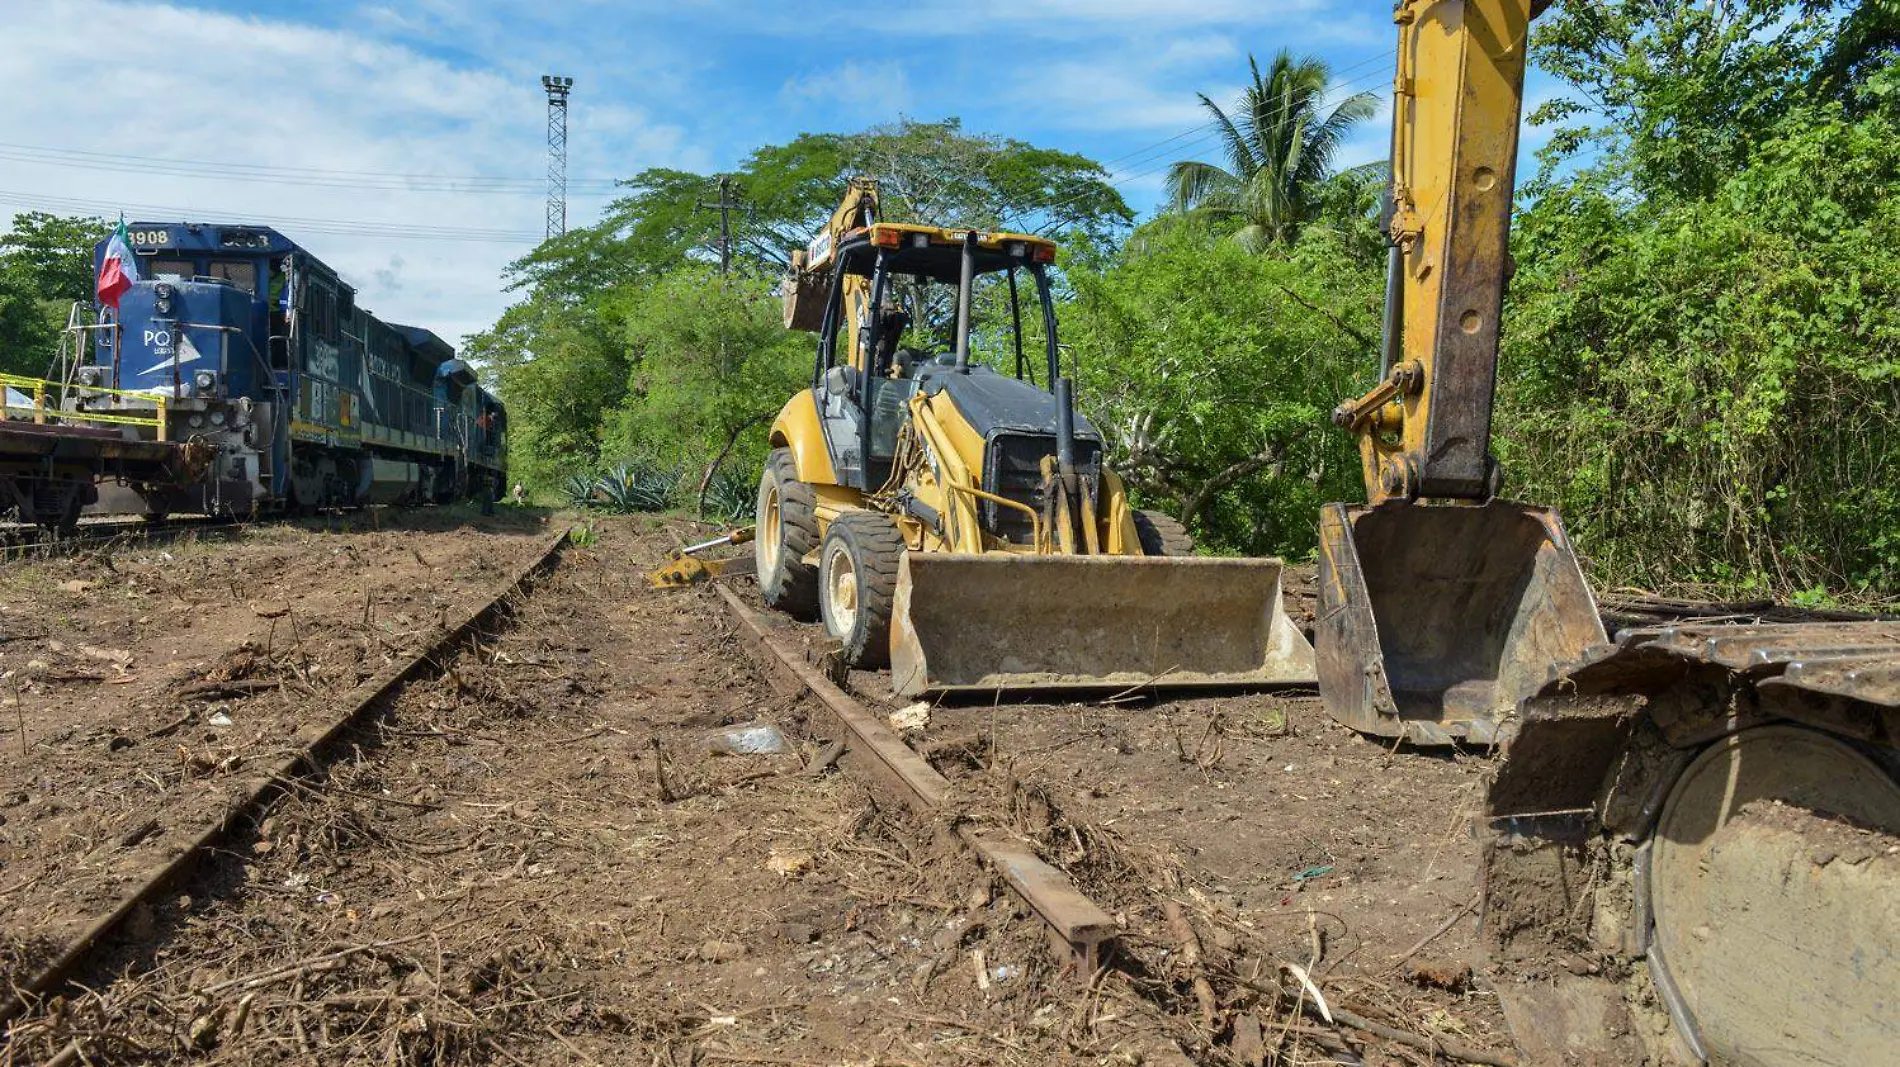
pixel 361 91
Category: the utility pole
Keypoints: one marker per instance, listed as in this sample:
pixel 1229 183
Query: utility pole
pixel 558 87
pixel 725 206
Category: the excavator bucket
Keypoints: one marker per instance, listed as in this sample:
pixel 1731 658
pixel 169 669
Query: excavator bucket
pixel 1435 620
pixel 1005 622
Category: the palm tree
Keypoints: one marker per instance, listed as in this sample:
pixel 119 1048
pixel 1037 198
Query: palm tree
pixel 1279 150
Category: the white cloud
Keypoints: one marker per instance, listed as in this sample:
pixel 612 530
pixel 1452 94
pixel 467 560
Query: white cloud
pixel 873 92
pixel 263 92
pixel 1010 20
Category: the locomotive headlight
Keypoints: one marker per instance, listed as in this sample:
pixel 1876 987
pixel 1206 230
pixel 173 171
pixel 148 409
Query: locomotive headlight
pixel 90 376
pixel 195 421
pixel 162 301
pixel 205 380
pixel 217 418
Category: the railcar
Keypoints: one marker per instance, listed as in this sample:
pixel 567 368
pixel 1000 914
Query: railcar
pixel 239 339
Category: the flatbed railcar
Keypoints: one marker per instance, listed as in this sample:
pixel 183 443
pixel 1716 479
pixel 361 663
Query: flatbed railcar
pixel 239 341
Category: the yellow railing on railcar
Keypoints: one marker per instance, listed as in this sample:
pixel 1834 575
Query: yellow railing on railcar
pixel 43 413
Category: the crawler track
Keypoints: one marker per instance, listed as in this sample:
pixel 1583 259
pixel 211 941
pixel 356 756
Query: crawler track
pixel 309 748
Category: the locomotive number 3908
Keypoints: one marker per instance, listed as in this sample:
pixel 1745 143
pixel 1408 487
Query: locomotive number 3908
pixel 150 237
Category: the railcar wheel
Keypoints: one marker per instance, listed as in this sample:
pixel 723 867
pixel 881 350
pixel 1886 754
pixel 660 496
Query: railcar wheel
pixel 786 531
pixel 857 583
pixel 69 514
pixel 1162 535
pixel 1775 891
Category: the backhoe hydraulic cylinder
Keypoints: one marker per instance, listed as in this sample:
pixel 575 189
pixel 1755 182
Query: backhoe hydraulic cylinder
pixel 1392 323
pixel 1065 432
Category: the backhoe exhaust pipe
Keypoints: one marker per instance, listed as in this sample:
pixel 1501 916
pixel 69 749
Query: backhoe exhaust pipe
pixel 966 287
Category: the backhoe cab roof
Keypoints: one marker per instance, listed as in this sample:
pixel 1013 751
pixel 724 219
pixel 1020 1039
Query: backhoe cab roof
pixel 937 253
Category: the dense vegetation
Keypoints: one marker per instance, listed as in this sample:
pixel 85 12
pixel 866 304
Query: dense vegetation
pixel 1702 363
pixel 45 265
pixel 1702 350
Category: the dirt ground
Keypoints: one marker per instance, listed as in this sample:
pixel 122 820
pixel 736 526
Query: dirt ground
pixel 538 857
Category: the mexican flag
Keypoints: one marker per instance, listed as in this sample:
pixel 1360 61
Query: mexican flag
pixel 118 270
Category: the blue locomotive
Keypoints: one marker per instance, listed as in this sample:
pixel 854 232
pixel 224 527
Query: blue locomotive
pixel 241 342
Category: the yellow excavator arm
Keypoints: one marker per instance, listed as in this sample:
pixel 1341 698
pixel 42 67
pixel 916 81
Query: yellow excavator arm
pixel 1425 430
pixel 1442 607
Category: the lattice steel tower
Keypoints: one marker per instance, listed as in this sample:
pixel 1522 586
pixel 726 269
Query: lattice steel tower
pixel 558 88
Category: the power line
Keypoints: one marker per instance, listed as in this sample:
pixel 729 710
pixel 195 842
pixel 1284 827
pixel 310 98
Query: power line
pixel 1213 124
pixel 289 175
pixel 301 225
pixel 1344 91
pixel 449 186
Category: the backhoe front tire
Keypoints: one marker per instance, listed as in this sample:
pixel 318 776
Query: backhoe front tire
pixel 786 531
pixel 1162 535
pixel 857 585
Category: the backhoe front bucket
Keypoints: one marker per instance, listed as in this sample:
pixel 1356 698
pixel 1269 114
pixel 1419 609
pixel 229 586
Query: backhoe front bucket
pixel 1436 620
pixel 1001 621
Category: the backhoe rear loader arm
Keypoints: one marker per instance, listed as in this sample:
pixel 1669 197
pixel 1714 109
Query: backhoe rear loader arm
pixel 1425 431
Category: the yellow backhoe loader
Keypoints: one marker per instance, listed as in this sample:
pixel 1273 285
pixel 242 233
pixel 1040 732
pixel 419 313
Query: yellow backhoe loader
pixel 1693 839
pixel 958 522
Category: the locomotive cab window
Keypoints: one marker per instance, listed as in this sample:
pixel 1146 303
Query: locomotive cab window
pixel 239 272
pixel 176 268
pixel 322 307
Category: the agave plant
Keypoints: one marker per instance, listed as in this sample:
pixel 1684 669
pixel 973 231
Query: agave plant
pixel 579 490
pixel 637 485
pixel 730 495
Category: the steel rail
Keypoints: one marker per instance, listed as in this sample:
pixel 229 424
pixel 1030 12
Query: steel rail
pixel 879 754
pixel 24 540
pixel 311 743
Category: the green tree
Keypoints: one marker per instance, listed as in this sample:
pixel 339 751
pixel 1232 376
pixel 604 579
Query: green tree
pixel 1279 146
pixel 710 364
pixel 1211 370
pixel 1669 96
pixel 931 172
pixel 45 265
pixel 559 399
pixel 1702 353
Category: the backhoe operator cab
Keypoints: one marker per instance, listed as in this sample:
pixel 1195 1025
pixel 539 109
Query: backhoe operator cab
pixel 917 307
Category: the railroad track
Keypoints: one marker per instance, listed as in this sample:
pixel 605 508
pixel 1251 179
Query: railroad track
pixel 24 541
pixel 310 748
pixel 881 757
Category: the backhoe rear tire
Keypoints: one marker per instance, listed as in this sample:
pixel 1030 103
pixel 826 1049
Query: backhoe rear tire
pixel 857 584
pixel 786 531
pixel 1162 535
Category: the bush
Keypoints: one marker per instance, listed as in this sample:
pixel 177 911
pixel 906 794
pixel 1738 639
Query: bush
pixel 638 485
pixel 732 495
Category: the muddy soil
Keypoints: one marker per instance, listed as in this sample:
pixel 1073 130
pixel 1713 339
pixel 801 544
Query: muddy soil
pixel 540 857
